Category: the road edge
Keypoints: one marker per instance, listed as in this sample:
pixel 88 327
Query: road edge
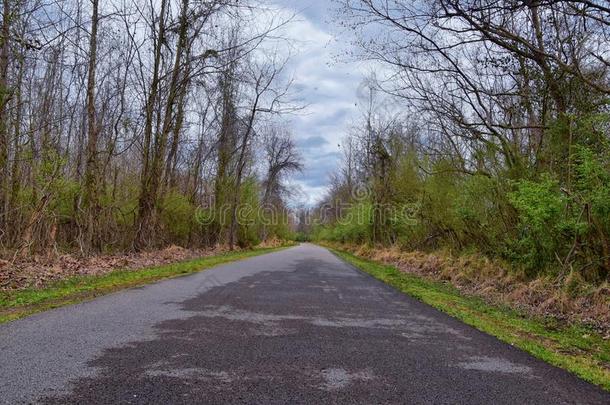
pixel 580 364
pixel 21 304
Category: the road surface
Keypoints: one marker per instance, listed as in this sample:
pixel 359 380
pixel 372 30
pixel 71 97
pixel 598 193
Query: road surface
pixel 296 326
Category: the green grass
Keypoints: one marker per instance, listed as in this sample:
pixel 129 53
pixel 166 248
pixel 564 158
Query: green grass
pixel 574 348
pixel 18 304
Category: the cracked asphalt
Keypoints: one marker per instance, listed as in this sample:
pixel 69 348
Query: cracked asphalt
pixel 295 326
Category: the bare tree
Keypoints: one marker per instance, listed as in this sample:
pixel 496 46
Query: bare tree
pixel 110 121
pixel 91 186
pixel 282 160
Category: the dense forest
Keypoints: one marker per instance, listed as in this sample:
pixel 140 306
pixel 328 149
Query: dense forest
pixel 135 125
pixel 487 130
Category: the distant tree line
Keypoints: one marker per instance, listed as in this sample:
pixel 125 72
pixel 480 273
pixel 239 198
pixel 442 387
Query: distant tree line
pixel 491 118
pixel 124 123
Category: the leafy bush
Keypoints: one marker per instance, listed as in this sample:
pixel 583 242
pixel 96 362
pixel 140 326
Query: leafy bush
pixel 177 216
pixel 355 226
pixel 541 209
pixel 247 215
pixel 591 198
pixel 480 209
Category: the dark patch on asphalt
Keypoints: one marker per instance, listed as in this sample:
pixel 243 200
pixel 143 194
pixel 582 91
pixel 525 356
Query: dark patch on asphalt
pixel 322 332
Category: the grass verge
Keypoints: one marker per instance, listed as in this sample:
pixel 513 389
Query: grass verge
pixel 19 304
pixel 574 348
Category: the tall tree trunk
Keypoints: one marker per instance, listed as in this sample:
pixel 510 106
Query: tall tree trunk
pixel 91 188
pixel 4 99
pixel 15 217
pixel 176 88
pixel 146 201
pixel 226 146
pixel 172 157
pixel 241 164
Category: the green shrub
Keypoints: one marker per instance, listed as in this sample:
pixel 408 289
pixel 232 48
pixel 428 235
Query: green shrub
pixel 541 208
pixel 479 208
pixel 177 216
pixel 247 215
pixel 356 225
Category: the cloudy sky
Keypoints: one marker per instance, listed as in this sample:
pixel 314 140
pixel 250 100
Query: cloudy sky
pixel 328 84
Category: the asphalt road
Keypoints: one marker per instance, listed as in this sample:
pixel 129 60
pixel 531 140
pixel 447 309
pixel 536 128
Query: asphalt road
pixel 296 326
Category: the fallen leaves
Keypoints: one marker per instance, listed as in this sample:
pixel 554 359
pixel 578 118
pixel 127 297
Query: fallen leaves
pixel 39 271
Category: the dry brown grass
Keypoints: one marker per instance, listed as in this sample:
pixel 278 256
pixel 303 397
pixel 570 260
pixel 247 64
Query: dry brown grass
pixel 273 243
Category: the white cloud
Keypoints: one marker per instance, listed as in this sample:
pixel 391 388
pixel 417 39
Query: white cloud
pixel 328 87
